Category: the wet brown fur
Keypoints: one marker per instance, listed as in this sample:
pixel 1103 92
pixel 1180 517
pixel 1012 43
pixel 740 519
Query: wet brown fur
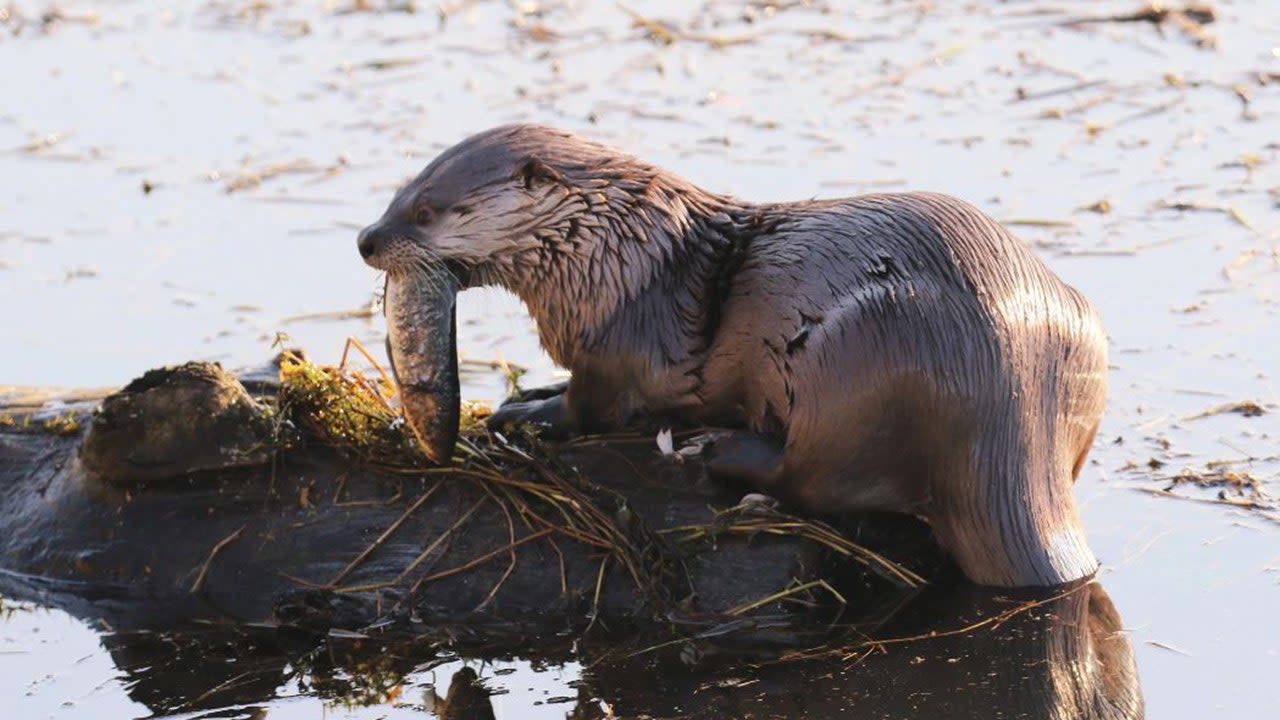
pixel 907 352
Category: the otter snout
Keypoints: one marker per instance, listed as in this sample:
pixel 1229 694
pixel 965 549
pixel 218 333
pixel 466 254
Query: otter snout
pixel 368 240
pixel 382 245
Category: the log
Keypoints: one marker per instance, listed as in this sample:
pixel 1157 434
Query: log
pixel 165 501
pixel 223 564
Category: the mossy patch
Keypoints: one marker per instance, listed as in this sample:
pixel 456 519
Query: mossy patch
pixel 56 424
pixel 346 409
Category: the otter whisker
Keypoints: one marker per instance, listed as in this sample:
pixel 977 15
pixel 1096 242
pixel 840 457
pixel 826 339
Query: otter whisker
pixel 431 268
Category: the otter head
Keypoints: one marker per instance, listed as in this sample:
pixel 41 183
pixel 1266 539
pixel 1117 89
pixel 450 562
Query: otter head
pixel 575 228
pixel 475 208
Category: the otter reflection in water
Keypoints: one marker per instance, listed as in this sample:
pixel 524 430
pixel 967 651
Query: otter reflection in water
pixel 1066 658
pixel 1063 656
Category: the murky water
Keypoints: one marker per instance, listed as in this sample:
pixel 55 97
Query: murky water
pixel 186 183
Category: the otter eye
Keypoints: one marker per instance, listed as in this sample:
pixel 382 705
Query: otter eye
pixel 423 216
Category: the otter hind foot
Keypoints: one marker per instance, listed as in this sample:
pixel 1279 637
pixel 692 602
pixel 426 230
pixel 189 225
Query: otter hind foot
pixel 542 408
pixel 539 393
pixel 751 457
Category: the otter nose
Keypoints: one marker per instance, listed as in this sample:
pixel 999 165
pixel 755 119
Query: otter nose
pixel 367 241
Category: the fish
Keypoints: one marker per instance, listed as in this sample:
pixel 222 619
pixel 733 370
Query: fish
pixel 422 344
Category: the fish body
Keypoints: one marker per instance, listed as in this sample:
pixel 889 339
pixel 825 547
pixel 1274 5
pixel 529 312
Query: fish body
pixel 422 346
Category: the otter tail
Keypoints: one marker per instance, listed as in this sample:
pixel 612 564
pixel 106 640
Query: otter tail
pixel 1017 523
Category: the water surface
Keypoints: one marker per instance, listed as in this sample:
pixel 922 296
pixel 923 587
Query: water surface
pixel 186 182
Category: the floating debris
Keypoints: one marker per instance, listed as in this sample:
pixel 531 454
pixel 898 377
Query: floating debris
pixel 666 34
pixel 1247 408
pixel 1190 19
pixel 1198 206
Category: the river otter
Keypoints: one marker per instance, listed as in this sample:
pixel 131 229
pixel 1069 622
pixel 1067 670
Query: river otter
pixel 897 352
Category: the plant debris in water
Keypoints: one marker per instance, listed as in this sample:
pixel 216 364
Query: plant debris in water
pixel 1190 19
pixel 1220 484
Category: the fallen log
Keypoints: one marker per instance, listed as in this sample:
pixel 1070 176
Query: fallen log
pixel 178 496
pixel 228 543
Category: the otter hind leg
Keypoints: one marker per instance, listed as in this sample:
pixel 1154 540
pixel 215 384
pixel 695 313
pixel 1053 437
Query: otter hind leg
pixel 752 457
pixel 539 393
pixel 546 412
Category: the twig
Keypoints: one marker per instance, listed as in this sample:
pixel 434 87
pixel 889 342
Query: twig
pixel 896 77
pixel 1024 96
pixel 1058 113
pixel 595 597
pixel 224 685
pixel 416 561
pixel 1190 20
pixel 1037 222
pixel 353 342
pixel 1148 112
pixel 1167 646
pixel 785 525
pixel 667 35
pixel 385 534
pixel 204 569
pixel 511 537
pixel 795 590
pixel 484 558
pixel 564 572
pixel 1247 408
pixel 1244 503
pixel 858 650
pixel 1186 205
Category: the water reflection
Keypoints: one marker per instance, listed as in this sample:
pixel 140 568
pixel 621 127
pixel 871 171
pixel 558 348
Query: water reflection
pixel 468 698
pixel 954 652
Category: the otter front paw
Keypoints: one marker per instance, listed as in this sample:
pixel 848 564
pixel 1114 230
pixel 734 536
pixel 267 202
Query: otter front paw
pixel 547 416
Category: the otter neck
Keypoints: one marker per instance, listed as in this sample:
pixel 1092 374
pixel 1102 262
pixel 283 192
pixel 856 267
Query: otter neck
pixel 630 264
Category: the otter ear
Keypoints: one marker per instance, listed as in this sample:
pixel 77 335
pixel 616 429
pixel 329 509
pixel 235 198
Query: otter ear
pixel 533 170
